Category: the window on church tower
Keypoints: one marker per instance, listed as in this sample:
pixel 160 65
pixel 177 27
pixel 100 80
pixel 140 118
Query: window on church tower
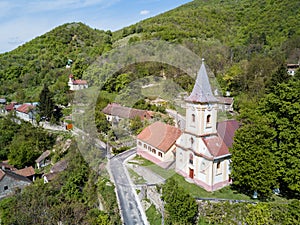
pixel 192 142
pixel 193 118
pixel 191 158
pixel 208 118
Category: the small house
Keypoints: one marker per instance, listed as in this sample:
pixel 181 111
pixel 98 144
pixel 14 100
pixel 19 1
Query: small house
pixel 77 84
pixel 115 112
pixel 26 111
pixel 6 166
pixel 157 143
pixel 43 160
pixel 27 172
pixel 10 182
pixel 225 104
pixel 55 170
pixel 2 101
pixel 292 68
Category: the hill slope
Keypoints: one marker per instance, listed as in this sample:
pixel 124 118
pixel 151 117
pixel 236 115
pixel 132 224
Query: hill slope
pixel 243 26
pixel 242 41
pixel 44 59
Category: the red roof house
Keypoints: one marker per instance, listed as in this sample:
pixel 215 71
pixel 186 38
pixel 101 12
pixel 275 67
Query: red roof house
pixel 25 111
pixel 157 143
pixel 76 84
pixel 117 112
pixel 27 172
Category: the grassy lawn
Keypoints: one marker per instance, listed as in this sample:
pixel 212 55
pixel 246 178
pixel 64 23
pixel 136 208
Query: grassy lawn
pixel 154 217
pixel 193 189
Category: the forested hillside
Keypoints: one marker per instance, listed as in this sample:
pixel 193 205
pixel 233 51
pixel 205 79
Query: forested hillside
pixel 243 43
pixel 244 27
pixel 43 60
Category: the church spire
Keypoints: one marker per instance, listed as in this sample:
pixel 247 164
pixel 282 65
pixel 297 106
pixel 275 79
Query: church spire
pixel 202 90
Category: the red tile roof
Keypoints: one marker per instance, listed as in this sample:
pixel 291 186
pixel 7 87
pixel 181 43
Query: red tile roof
pixel 160 135
pixel 25 108
pixel 10 107
pixel 79 82
pixel 115 109
pixel 216 145
pixel 26 172
pixel 226 130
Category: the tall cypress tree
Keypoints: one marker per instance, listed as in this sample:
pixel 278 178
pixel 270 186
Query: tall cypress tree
pixel 46 104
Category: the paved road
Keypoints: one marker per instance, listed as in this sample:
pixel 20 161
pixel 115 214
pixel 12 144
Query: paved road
pixel 131 210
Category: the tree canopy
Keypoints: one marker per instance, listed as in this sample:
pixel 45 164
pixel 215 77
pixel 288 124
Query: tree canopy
pixel 266 149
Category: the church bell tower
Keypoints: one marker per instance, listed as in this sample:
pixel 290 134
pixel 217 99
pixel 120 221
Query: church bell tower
pixel 201 107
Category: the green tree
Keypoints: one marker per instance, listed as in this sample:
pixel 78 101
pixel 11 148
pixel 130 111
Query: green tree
pixel 180 206
pixel 121 81
pixel 280 76
pixel 282 108
pixel 46 104
pixel 22 152
pixel 259 214
pixel 136 125
pixel 253 163
pixel 7 131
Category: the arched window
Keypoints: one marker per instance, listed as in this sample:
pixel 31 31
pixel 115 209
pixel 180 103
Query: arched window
pixel 193 118
pixel 208 118
pixel 192 142
pixel 191 158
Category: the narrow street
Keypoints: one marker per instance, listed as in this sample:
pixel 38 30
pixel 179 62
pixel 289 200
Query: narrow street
pixel 131 209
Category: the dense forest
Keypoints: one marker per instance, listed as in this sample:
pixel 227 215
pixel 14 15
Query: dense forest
pixel 246 44
pixel 240 43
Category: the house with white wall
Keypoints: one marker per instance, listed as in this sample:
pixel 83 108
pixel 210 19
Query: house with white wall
pixel 26 111
pixel 157 143
pixel 76 85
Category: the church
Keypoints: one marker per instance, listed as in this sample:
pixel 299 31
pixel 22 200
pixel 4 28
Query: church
pixel 202 150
